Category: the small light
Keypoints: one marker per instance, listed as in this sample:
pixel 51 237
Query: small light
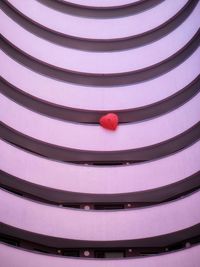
pixel 86 207
pixel 130 250
pixel 129 205
pixel 59 251
pixel 86 253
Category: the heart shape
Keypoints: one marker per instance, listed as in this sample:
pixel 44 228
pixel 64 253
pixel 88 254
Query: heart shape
pixel 109 121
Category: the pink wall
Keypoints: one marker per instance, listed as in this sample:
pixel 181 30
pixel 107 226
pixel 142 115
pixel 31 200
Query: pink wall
pixel 99 225
pixel 105 98
pixel 185 258
pixel 101 180
pixel 103 225
pixel 95 62
pixel 92 28
pixel 90 137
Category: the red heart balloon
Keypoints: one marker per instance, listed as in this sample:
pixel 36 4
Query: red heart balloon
pixel 109 121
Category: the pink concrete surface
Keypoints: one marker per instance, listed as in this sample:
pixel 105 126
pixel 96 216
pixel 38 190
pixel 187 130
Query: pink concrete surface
pixel 14 257
pixel 94 137
pixel 108 62
pixel 61 222
pixel 99 28
pixel 122 97
pixel 101 180
pixel 100 225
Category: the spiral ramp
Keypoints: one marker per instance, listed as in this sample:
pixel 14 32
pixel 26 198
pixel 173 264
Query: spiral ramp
pixel 73 193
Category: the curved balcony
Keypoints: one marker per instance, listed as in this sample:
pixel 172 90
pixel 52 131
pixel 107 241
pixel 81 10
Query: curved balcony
pixel 102 180
pixel 117 98
pixel 140 199
pixel 82 27
pixel 69 247
pixel 99 226
pixel 50 161
pixel 86 116
pixel 99 44
pixel 103 10
pixel 107 63
pixel 91 79
pixel 11 256
pixel 93 138
pixel 78 156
